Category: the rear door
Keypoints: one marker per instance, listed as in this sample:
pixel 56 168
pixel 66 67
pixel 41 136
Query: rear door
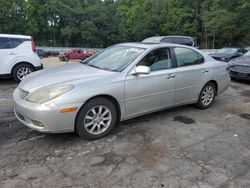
pixel 191 73
pixel 145 93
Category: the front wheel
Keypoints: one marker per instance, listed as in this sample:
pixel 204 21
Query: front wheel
pixel 96 119
pixel 207 96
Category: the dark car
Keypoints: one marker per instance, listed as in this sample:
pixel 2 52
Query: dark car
pixel 239 68
pixel 226 54
pixel 53 53
pixel 184 40
pixel 41 53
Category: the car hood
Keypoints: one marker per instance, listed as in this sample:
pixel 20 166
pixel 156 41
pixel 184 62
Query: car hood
pixel 222 55
pixel 62 74
pixel 244 61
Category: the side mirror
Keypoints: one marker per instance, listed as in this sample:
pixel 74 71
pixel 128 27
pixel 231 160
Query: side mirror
pixel 141 70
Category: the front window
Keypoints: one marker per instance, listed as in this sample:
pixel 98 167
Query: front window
pixel 227 50
pixel 157 60
pixel 115 58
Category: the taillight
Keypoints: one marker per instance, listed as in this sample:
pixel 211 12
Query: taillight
pixel 33 45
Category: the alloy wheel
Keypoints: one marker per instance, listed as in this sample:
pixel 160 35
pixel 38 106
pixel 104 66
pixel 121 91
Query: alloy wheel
pixel 207 95
pixel 23 72
pixel 97 120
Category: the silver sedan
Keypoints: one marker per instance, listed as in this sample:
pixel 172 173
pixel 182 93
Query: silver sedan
pixel 121 82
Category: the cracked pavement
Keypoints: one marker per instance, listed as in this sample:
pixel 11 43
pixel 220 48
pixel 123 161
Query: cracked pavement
pixel 180 147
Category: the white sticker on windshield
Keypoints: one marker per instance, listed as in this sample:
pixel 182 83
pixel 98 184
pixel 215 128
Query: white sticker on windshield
pixel 135 50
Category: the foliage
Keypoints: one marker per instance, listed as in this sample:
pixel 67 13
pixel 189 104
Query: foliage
pixel 100 23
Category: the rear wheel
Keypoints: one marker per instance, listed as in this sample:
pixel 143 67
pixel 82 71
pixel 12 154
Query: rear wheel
pixel 207 96
pixel 20 71
pixel 96 119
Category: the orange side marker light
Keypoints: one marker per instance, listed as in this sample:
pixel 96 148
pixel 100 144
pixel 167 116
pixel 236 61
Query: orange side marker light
pixel 66 110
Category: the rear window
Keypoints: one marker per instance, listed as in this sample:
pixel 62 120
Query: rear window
pixel 7 43
pixel 179 40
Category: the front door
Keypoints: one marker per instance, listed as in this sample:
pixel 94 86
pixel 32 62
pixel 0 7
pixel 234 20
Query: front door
pixel 145 93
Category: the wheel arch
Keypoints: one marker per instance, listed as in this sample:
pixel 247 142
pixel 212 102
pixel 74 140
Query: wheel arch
pixel 110 98
pixel 22 62
pixel 215 84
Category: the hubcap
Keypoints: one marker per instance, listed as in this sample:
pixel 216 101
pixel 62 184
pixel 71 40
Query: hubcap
pixel 22 72
pixel 97 119
pixel 207 95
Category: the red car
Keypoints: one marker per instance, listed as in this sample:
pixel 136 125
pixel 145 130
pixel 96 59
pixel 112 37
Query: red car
pixel 76 54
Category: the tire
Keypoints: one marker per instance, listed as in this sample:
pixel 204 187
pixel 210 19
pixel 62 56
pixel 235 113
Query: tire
pixel 66 59
pixel 21 70
pixel 207 96
pixel 86 121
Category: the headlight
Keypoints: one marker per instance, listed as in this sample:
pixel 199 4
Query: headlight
pixel 47 94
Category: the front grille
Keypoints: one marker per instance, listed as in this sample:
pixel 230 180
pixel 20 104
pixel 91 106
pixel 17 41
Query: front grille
pixel 243 69
pixel 22 93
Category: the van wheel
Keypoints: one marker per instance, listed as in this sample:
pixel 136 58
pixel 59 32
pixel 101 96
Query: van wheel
pixel 20 71
pixel 207 96
pixel 96 119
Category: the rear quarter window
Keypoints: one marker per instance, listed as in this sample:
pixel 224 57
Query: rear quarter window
pixel 7 43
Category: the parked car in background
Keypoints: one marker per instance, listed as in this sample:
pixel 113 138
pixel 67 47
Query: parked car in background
pixel 18 56
pixel 226 54
pixel 75 54
pixel 239 68
pixel 53 53
pixel 41 53
pixel 247 48
pixel 119 83
pixel 184 40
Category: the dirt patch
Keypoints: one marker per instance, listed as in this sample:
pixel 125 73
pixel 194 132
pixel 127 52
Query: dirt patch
pixel 184 119
pixel 150 155
pixel 235 110
pixel 245 93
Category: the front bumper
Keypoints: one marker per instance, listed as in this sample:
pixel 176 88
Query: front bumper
pixel 44 117
pixel 239 75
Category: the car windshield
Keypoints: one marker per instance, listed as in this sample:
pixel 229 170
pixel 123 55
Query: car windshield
pixel 247 54
pixel 227 50
pixel 152 40
pixel 115 58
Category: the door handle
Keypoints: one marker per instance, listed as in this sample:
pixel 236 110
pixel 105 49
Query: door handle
pixel 169 76
pixel 205 71
pixel 12 53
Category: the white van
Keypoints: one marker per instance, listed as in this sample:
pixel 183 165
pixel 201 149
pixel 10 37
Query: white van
pixel 18 56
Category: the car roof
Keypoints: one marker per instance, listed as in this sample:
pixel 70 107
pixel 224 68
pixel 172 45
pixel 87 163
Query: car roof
pixel 151 45
pixel 15 36
pixel 170 36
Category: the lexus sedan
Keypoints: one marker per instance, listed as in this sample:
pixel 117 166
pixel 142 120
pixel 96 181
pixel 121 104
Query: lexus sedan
pixel 121 82
pixel 226 54
pixel 239 68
